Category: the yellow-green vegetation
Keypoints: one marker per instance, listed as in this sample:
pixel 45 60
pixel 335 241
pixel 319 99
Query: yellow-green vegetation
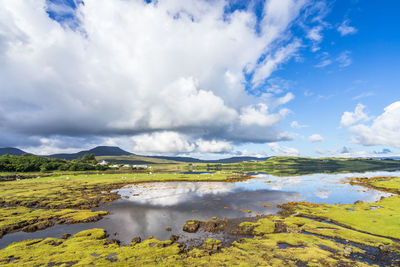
pixel 263 226
pixel 381 218
pixel 388 184
pixel 56 195
pixel 90 247
pixel 27 219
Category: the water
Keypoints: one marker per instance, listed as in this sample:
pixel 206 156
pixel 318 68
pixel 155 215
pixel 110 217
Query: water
pixel 147 209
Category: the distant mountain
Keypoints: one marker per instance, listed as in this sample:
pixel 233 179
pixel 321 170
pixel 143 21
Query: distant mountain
pixel 97 151
pixel 111 151
pixel 11 151
pixel 393 158
pixel 226 160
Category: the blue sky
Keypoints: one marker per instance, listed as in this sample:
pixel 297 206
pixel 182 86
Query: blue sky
pixel 371 79
pixel 202 78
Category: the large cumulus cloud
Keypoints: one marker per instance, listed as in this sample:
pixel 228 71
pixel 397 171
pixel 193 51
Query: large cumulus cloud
pixel 134 69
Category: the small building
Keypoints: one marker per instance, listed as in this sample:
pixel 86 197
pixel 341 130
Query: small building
pixel 139 166
pixel 103 163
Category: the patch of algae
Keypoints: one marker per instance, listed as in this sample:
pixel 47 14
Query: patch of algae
pixel 262 226
pixel 91 247
pixel 21 218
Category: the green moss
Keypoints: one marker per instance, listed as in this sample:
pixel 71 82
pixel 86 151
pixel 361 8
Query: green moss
pixel 91 248
pixel 335 231
pixel 212 244
pixel 266 226
pixel 27 219
pixel 262 226
pixel 383 221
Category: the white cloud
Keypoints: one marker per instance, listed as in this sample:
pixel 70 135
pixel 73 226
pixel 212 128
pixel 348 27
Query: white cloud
pixel 162 142
pixel 363 95
pixel 346 29
pixel 297 125
pixel 283 150
pixel 324 63
pixel 315 35
pixel 168 142
pixel 128 68
pixel 284 99
pixel 259 115
pixel 350 118
pixel 271 63
pixel 384 130
pixel 315 138
pixel 213 146
pixel 344 59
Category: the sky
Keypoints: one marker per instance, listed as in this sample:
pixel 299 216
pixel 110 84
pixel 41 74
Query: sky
pixel 201 78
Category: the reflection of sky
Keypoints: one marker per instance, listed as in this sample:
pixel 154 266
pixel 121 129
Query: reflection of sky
pixel 169 194
pixel 318 188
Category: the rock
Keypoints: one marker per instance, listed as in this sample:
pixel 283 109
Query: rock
pixel 384 249
pixel 174 238
pixel 212 245
pixel 136 240
pixel 112 257
pixel 65 236
pixel 347 251
pixel 280 227
pixel 113 241
pixel 213 227
pixel 191 226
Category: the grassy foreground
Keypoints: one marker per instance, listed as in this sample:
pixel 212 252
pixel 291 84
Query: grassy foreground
pixel 306 234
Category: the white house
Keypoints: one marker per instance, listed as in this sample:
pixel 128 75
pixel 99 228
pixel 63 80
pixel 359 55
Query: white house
pixel 102 163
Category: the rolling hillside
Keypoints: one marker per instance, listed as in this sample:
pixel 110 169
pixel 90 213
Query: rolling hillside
pixel 11 151
pixel 97 151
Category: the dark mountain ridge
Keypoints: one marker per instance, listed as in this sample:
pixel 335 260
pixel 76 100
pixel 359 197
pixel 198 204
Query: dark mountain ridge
pixel 11 151
pixel 97 151
pixel 116 151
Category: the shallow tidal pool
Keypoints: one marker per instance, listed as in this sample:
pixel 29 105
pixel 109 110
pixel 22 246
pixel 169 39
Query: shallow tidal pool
pixel 147 209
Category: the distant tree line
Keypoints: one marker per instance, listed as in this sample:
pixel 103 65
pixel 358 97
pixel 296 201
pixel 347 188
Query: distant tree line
pixel 31 163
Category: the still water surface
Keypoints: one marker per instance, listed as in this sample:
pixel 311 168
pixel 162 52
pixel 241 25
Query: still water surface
pixel 147 209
